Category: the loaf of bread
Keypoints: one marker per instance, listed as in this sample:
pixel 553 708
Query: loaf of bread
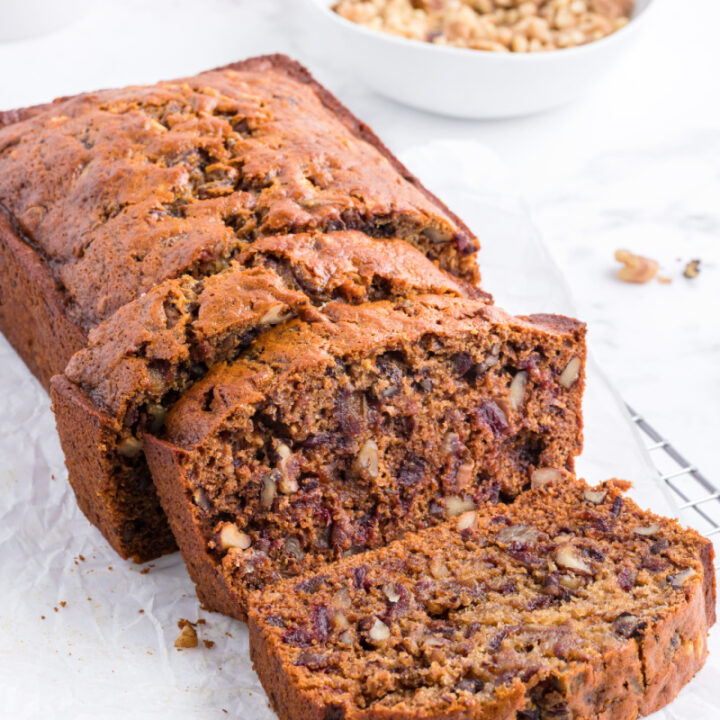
pixel 107 194
pixel 569 603
pixel 323 439
pixel 141 359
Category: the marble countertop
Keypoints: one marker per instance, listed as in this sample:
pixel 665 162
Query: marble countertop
pixel 634 164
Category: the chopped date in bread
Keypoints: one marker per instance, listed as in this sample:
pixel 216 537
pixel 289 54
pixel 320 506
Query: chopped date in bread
pixel 539 610
pixel 325 440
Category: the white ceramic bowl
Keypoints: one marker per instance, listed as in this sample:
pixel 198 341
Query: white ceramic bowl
pixel 21 19
pixel 457 81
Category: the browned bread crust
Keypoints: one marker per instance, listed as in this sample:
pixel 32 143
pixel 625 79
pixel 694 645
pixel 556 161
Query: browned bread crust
pixel 71 212
pixel 571 602
pixel 329 438
pixel 152 349
pixel 32 309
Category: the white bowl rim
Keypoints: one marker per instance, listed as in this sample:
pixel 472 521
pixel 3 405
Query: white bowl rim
pixel 495 56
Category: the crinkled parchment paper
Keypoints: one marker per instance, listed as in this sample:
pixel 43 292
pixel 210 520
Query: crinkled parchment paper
pixel 85 635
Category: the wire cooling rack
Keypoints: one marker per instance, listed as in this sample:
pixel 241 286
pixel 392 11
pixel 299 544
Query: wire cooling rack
pixel 697 495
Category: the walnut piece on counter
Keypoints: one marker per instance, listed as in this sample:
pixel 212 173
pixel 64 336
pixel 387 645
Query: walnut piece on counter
pixel 692 269
pixel 636 268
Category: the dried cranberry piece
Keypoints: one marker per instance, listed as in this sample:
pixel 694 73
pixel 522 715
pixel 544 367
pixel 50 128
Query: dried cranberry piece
pixel 347 413
pixel 312 661
pixel 323 438
pixel 298 637
pixel 488 492
pixel 491 414
pixel 593 553
pixel 539 601
pixel 626 578
pixel 658 546
pixel 528 715
pixel 311 585
pixel 616 507
pixel 320 622
pixel 340 534
pixel 462 362
pixel 471 685
pixel 360 580
pixel 628 625
pixel 275 621
pixel 464 243
pixel 411 472
pixel 335 712
pixel 497 640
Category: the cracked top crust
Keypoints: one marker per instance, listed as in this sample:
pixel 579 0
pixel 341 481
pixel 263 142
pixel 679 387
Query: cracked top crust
pixel 121 189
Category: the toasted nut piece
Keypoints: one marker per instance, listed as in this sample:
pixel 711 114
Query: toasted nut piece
pixel 269 490
pixel 596 497
pixel 130 447
pixel 391 592
pixel 346 638
pixel 646 531
pixel 342 598
pixel 232 537
pixel 156 415
pixel 379 632
pixel 520 534
pixel 455 505
pixel 275 315
pixel 201 500
pixel 339 621
pixel 678 580
pixel 568 557
pixel 289 468
pixel 636 268
pixel 692 269
pixel 542 476
pixel 467 520
pixel 438 569
pixel 292 547
pixel 367 460
pixel 571 373
pixel 464 475
pixel 288 486
pixel 517 390
pixel 570 581
pixel 187 638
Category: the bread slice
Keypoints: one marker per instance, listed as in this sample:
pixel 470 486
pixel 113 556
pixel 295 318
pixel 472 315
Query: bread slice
pixel 571 602
pixel 140 360
pixel 327 439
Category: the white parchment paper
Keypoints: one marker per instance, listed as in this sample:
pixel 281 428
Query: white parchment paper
pixel 87 636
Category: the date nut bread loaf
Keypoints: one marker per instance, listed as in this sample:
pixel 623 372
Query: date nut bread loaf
pixel 106 194
pixel 569 603
pixel 140 360
pixel 327 439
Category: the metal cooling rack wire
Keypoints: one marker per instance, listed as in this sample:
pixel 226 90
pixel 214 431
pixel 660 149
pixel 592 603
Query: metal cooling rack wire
pixel 695 491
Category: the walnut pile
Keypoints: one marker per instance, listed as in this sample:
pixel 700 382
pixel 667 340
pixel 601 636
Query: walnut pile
pixel 497 25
